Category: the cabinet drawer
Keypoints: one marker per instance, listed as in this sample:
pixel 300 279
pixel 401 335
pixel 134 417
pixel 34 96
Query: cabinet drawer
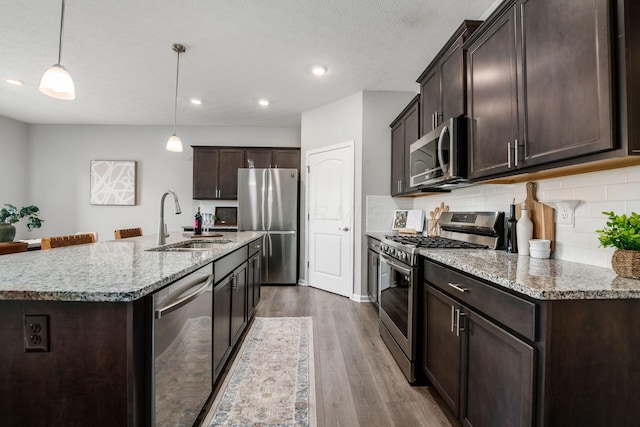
pixel 225 265
pixel 255 247
pixel 513 312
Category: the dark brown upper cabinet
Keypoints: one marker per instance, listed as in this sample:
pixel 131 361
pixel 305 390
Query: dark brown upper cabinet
pixel 540 85
pixel 442 84
pixel 405 130
pixel 259 157
pixel 215 169
pixel 286 158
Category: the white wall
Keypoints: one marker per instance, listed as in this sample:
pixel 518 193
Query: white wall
pixel 364 118
pixel 14 169
pixel 59 157
pixel 615 190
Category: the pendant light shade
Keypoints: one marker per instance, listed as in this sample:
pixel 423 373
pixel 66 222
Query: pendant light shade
pixel 175 143
pixel 56 81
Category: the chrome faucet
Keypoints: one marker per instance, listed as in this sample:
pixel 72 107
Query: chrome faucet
pixel 162 232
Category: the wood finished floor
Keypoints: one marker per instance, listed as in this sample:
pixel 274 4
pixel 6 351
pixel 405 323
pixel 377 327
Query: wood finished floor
pixel 357 381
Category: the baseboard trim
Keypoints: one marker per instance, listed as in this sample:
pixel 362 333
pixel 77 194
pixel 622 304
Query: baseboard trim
pixel 361 298
pixel 302 282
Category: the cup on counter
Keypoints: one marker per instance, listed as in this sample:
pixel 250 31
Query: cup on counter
pixel 433 228
pixel 539 248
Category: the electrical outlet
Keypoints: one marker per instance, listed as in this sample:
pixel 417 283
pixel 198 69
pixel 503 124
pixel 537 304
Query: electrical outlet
pixel 564 216
pixel 36 333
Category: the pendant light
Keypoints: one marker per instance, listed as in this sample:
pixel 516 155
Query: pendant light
pixel 174 143
pixel 56 81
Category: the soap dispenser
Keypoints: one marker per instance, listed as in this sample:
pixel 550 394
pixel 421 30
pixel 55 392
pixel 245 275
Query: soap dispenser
pixel 524 231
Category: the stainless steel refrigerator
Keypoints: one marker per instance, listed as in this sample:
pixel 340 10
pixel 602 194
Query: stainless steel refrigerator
pixel 268 201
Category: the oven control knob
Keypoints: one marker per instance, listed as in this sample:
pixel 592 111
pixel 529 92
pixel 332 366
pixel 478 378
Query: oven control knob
pixel 402 256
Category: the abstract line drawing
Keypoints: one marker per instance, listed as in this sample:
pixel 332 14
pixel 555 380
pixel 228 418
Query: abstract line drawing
pixel 113 182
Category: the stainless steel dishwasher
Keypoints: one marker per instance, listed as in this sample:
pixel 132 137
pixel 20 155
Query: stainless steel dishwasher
pixel 182 349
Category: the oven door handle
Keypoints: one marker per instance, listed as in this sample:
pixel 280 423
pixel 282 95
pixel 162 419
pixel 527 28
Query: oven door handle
pixel 400 268
pixel 177 300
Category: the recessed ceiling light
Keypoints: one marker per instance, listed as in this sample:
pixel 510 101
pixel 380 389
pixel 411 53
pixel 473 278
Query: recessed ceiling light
pixel 14 82
pixel 319 70
pixel 263 102
pixel 196 101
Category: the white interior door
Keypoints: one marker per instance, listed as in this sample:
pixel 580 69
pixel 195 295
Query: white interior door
pixel 330 188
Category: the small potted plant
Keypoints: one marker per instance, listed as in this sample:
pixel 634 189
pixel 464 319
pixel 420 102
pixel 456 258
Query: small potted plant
pixel 623 233
pixel 9 215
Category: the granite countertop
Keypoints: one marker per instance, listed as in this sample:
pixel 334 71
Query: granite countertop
pixel 111 271
pixel 542 279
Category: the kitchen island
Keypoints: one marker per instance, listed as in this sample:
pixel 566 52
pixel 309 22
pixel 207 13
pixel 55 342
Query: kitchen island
pixel 98 305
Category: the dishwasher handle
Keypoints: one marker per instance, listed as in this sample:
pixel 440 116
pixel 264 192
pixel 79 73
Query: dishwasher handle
pixel 176 300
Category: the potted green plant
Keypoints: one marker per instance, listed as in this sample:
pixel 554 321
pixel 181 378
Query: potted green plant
pixel 10 214
pixel 623 233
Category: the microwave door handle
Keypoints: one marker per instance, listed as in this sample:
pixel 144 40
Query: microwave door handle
pixel 440 153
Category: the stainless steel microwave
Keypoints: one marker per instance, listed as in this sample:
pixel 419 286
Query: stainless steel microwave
pixel 439 159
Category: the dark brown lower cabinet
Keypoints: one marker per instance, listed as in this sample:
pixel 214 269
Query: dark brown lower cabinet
pixel 221 325
pixel 498 375
pixel 238 302
pixel 484 374
pixel 253 284
pixel 501 358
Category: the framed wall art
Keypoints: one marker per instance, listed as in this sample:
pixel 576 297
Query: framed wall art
pixel 113 182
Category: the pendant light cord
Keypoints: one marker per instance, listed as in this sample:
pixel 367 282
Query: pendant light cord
pixel 61 27
pixel 175 107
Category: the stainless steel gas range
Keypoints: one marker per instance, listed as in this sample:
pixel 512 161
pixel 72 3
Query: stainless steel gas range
pixel 400 273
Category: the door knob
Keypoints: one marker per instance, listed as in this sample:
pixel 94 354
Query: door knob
pixel 343 228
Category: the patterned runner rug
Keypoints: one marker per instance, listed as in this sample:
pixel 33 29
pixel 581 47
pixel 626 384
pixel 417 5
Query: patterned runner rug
pixel 272 380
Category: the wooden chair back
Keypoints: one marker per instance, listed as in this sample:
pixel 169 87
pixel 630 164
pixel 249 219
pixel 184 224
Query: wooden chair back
pixel 62 241
pixel 127 232
pixel 13 247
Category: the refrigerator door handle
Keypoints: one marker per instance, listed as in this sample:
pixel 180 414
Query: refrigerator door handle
pixel 269 199
pixel 264 189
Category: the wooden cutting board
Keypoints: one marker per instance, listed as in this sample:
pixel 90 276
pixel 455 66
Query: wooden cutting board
pixel 201 236
pixel 541 215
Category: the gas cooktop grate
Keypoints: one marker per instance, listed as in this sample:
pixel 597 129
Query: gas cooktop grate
pixel 434 242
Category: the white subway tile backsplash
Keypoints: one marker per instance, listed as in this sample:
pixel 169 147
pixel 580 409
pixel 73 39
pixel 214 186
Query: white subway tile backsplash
pixel 615 190
pixel 588 194
pixel 633 174
pixel 596 208
pixel 623 191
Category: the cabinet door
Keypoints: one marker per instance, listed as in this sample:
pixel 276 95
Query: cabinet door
pixel 411 135
pixel 442 346
pixel 498 376
pixel 492 98
pixel 452 78
pixel 230 161
pixel 253 284
pixel 238 302
pixel 261 157
pixel 429 101
pixel 373 270
pixel 397 158
pixel 287 159
pixel 205 172
pixel 567 81
pixel 221 324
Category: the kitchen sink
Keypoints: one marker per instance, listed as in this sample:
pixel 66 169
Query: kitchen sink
pixel 192 246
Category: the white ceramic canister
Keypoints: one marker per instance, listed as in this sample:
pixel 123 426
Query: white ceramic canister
pixel 524 232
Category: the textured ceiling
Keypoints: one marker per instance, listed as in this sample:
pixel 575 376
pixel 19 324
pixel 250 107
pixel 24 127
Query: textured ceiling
pixel 119 55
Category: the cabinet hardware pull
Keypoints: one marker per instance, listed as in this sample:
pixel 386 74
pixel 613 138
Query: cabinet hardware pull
pixel 515 153
pixel 458 328
pixel 459 288
pixel 453 318
pixel 509 155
